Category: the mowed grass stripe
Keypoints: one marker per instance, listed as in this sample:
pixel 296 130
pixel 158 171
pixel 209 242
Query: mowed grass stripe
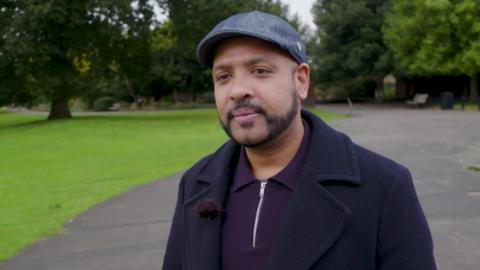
pixel 50 171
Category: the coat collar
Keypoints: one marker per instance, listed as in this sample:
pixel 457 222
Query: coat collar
pixel 314 220
pixel 330 156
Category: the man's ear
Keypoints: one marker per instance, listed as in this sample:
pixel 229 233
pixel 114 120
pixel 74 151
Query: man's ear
pixel 302 80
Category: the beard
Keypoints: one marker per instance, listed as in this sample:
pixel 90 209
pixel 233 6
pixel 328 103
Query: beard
pixel 276 125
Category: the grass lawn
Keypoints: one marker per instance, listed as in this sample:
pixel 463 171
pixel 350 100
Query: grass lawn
pixel 457 106
pixel 50 171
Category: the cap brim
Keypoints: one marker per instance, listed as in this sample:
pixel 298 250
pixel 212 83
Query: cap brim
pixel 206 48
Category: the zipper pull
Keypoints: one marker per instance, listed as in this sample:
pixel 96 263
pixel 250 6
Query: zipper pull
pixel 263 184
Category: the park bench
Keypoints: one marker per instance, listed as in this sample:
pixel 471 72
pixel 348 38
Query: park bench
pixel 115 106
pixel 418 100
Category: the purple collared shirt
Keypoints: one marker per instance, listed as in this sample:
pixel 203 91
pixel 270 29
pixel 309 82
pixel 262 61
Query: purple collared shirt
pixel 242 208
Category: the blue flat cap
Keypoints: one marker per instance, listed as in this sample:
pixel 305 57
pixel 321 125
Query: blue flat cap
pixel 255 24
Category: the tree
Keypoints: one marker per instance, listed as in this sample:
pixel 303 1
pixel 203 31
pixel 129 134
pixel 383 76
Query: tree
pixel 351 50
pixel 164 71
pixel 436 38
pixel 50 49
pixel 135 62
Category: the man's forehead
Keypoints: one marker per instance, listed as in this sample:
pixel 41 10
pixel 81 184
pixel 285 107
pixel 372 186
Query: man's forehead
pixel 247 50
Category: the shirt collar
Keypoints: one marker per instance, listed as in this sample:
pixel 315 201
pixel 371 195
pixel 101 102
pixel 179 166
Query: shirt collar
pixel 243 173
pixel 288 176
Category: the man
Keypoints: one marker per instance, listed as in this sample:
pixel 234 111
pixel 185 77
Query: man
pixel 287 191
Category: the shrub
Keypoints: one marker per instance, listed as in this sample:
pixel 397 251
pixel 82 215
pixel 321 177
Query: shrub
pixel 389 93
pixel 333 92
pixel 103 104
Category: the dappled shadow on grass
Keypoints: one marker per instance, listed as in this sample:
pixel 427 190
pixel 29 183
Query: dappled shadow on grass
pixel 173 116
pixel 164 116
pixel 33 123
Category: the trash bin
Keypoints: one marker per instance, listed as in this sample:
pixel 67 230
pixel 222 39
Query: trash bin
pixel 447 100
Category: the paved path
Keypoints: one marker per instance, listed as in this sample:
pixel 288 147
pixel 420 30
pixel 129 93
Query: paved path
pixel 129 232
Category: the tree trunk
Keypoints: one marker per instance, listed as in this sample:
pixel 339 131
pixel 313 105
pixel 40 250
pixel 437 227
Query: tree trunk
pixel 379 91
pixel 175 96
pixel 60 109
pixel 474 88
pixel 193 85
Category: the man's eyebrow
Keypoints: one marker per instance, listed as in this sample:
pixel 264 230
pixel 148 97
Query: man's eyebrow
pixel 260 59
pixel 221 66
pixel 249 62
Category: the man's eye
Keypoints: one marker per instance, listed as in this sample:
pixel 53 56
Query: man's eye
pixel 223 77
pixel 260 71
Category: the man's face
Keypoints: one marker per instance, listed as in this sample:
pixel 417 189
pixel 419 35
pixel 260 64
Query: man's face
pixel 258 89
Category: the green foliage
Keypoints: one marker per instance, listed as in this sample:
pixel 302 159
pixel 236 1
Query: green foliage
pixel 55 49
pixel 351 48
pixel 474 168
pixel 165 61
pixel 436 37
pixel 420 46
pixel 74 165
pixel 389 93
pixel 103 104
pixel 135 61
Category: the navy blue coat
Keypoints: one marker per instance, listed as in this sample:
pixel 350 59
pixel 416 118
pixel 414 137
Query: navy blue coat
pixel 352 209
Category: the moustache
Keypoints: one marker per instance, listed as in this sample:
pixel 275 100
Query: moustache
pixel 245 105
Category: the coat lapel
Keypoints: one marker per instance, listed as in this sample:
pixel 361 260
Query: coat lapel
pixel 315 219
pixel 313 222
pixel 202 234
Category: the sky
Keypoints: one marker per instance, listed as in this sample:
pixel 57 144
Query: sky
pixel 301 7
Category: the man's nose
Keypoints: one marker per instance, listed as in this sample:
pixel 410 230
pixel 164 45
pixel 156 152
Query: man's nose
pixel 241 89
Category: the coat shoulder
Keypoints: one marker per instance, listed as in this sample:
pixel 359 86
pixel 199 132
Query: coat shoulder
pixel 376 168
pixel 205 165
pixel 199 166
pixel 214 164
